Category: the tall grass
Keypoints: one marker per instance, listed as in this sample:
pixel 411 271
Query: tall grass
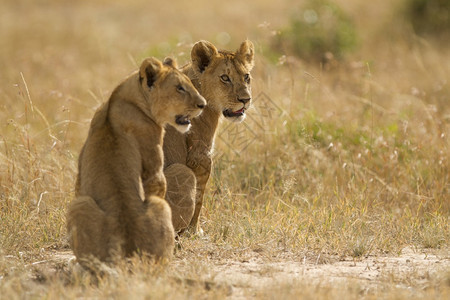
pixel 348 161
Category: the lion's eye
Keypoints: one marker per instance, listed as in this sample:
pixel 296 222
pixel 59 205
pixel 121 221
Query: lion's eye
pixel 247 78
pixel 225 78
pixel 180 89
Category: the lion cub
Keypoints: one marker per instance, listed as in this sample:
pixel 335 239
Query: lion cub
pixel 223 78
pixel 111 215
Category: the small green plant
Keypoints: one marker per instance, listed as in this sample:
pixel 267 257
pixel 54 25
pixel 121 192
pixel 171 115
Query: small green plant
pixel 319 31
pixel 428 16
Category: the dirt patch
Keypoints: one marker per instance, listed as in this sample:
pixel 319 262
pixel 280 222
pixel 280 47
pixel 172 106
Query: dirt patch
pixel 245 279
pixel 368 272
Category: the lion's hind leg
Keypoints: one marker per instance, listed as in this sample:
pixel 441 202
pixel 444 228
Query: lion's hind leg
pixel 91 231
pixel 181 189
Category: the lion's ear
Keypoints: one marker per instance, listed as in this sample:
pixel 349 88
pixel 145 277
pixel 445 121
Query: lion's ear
pixel 149 70
pixel 168 61
pixel 202 53
pixel 246 54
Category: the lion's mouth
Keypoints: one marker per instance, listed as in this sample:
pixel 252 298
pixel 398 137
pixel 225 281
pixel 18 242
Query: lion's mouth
pixel 233 114
pixel 182 120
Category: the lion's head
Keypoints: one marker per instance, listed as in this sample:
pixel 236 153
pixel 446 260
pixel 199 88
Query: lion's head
pixel 223 77
pixel 174 99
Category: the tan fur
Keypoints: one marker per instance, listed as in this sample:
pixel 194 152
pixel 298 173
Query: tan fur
pixel 188 156
pixel 121 158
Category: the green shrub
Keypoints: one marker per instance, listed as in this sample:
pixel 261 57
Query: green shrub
pixel 319 29
pixel 428 16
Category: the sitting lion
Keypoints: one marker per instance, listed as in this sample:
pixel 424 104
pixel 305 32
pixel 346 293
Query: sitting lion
pixel 223 78
pixel 119 207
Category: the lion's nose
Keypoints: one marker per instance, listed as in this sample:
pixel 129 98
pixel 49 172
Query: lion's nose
pixel 201 102
pixel 244 100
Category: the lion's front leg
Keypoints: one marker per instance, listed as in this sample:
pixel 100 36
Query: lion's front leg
pixel 154 185
pixel 155 235
pixel 202 170
pixel 181 190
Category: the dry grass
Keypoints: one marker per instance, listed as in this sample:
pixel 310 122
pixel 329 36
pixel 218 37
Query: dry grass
pixel 347 161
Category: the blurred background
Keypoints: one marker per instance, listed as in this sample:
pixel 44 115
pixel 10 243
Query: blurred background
pixel 78 51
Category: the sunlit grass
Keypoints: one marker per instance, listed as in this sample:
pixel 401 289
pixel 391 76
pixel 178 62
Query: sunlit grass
pixel 350 160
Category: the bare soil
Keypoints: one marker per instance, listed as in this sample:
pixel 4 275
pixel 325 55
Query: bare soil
pixel 258 275
pixel 367 273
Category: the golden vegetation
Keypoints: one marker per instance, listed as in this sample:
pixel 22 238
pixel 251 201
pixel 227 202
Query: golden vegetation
pixel 337 159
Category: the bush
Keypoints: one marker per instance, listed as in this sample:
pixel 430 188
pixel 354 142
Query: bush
pixel 428 16
pixel 319 29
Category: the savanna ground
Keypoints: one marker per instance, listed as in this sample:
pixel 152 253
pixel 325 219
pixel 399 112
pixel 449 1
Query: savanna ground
pixel 335 186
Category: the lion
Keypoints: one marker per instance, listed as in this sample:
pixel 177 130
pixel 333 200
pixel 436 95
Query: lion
pixel 119 209
pixel 223 79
